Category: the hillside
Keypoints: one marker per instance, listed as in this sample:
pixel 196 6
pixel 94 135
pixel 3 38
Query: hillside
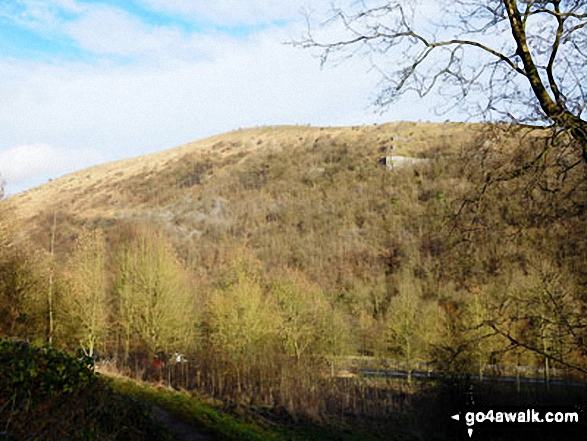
pixel 121 188
pixel 283 261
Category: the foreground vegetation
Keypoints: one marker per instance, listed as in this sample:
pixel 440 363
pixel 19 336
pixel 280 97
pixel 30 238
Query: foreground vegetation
pixel 251 423
pixel 48 395
pixel 425 418
pixel 270 259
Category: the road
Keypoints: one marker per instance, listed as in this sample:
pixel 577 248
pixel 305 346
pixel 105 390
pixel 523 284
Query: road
pixel 430 375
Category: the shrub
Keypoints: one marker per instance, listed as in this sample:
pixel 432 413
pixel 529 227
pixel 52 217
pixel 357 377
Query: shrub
pixel 46 394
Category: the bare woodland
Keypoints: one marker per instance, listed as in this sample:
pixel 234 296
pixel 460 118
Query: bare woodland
pixel 280 271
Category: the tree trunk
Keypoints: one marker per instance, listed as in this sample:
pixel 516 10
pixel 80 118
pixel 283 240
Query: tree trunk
pixel 554 109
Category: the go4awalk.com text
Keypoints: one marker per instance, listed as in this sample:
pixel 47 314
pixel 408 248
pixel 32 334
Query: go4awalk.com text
pixel 557 423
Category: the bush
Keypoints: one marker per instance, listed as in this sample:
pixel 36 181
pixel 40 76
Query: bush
pixel 46 394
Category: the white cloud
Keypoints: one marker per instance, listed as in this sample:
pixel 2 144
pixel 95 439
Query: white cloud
pixel 26 162
pixel 179 87
pixel 230 12
pixel 112 31
pixel 147 106
pixel 37 15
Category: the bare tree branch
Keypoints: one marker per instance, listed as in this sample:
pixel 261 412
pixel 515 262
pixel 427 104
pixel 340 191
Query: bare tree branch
pixel 542 43
pixel 555 46
pixel 517 342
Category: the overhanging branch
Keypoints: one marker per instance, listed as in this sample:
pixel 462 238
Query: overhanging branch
pixel 538 351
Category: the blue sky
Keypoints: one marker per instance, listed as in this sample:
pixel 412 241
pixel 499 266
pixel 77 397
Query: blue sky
pixel 86 82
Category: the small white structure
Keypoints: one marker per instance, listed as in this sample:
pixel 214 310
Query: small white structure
pixel 396 161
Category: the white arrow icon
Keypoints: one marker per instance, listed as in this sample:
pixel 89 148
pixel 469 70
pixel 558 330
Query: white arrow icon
pixel 456 417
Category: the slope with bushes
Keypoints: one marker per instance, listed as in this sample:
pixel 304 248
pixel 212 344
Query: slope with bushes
pixel 279 259
pixel 46 394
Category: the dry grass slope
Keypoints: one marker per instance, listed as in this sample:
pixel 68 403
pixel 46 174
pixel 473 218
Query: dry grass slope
pixel 120 188
pixel 276 244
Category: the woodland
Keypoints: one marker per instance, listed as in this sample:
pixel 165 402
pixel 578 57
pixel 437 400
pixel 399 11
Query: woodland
pixel 272 268
pixel 282 272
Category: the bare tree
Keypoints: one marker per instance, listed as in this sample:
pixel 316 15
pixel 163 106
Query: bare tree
pixel 155 299
pixel 87 305
pixel 515 60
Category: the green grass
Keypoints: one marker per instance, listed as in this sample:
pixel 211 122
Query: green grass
pixel 211 417
pixel 195 411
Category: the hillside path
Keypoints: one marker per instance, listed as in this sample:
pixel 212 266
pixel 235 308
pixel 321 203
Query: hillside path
pixel 181 431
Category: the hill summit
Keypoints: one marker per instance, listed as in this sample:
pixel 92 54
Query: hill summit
pixel 125 187
pixel 276 260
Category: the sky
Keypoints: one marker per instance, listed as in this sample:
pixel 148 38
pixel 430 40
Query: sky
pixel 88 82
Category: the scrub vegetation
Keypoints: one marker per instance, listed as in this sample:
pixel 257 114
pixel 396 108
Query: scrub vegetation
pixel 269 268
pixel 46 394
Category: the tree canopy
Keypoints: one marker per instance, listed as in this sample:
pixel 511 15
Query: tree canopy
pixel 520 61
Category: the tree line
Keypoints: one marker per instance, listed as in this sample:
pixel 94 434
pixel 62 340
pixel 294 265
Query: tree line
pixel 460 263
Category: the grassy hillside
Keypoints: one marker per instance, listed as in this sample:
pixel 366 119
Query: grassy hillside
pixel 284 260
pixel 120 187
pixel 251 185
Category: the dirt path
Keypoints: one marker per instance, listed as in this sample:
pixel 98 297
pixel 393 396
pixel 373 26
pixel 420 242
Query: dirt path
pixel 181 431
